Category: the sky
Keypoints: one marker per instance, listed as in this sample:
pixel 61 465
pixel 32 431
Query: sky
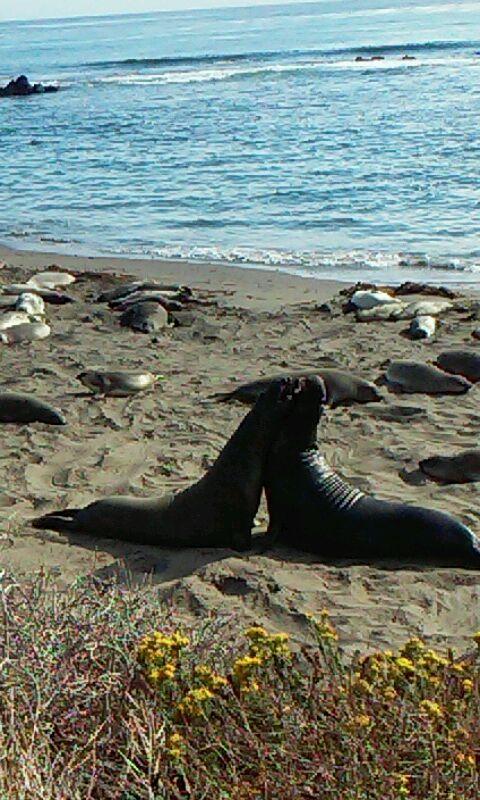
pixel 40 9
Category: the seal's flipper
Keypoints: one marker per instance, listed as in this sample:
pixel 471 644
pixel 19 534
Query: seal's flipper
pixel 63 521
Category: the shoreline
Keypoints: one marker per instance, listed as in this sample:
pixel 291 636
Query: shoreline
pixel 249 287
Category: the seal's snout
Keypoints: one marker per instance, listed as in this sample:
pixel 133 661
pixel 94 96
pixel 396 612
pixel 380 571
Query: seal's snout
pixel 313 388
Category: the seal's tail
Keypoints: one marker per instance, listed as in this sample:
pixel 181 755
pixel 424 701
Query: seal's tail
pixel 63 521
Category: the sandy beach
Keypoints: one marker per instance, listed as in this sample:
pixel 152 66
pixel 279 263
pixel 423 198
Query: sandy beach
pixel 247 324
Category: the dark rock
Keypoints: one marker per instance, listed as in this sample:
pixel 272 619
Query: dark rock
pixel 21 87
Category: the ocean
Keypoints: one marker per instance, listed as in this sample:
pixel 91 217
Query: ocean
pixel 252 136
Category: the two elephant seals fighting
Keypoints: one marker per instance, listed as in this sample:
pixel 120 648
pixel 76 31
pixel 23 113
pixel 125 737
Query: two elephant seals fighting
pixel 312 508
pixel 217 511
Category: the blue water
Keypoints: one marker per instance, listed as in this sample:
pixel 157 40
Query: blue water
pixel 251 135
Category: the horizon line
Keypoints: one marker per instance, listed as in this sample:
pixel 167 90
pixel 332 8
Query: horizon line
pixel 235 4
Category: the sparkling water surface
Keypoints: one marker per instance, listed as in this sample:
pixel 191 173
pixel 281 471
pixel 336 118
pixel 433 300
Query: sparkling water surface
pixel 252 136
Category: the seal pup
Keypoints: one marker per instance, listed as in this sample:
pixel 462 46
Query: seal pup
pixel 117 384
pixel 462 467
pixel 24 408
pixel 25 332
pixel 365 298
pixel 217 511
pixel 343 389
pixel 416 378
pixel 461 362
pixel 11 318
pixel 422 327
pixel 313 509
pixel 145 317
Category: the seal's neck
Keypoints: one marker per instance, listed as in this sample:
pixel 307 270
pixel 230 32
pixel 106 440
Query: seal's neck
pixel 336 493
pixel 249 444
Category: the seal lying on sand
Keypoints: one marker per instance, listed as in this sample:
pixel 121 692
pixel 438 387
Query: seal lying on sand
pixel 111 295
pixel 313 509
pixel 145 317
pixel 413 377
pixel 23 408
pixel 461 362
pixel 422 327
pixel 461 468
pixel 25 332
pixel 217 511
pixel 116 384
pixel 343 389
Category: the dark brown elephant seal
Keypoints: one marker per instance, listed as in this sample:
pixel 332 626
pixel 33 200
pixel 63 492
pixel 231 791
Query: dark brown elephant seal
pixel 313 509
pixel 217 511
pixel 343 389
pixel 460 468
pixel 461 362
pixel 24 408
pixel 145 317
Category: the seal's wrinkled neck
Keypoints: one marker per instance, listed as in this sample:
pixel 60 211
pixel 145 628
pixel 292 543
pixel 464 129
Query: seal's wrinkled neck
pixel 299 431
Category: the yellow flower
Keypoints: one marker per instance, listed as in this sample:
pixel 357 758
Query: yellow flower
pixel 362 686
pixel 412 648
pixel 362 720
pixel 213 681
pixel 467 685
pixel 476 638
pixel 160 674
pixel 403 785
pixel 405 665
pixel 432 709
pixel 251 687
pixel 256 632
pixel 194 701
pixel 459 667
pixel 175 745
pixel 243 667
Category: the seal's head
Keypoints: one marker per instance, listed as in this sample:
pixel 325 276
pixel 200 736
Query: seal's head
pixel 299 428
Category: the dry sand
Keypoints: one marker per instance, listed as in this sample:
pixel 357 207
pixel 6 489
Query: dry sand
pixel 250 324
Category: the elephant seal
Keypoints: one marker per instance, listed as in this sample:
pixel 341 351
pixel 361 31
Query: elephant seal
pixel 32 304
pixel 461 362
pixel 169 303
pixel 145 317
pixel 463 467
pixel 365 298
pixel 11 318
pixel 217 511
pixel 422 327
pixel 313 509
pixel 110 295
pixel 25 332
pixel 343 389
pixel 423 308
pixel 387 312
pixel 413 377
pixel 117 384
pixel 23 408
pixel 50 280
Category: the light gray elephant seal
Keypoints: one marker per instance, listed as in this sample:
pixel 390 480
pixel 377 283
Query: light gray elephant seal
pixel 460 468
pixel 343 389
pixel 217 511
pixel 24 408
pixel 313 509
pixel 461 362
pixel 116 384
pixel 145 317
pixel 416 378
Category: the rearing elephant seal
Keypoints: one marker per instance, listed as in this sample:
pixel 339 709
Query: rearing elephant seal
pixel 343 389
pixel 313 509
pixel 217 511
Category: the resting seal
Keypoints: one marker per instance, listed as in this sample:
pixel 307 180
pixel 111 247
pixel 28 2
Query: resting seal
pixel 461 362
pixel 23 408
pixel 217 511
pixel 416 378
pixel 25 332
pixel 461 468
pixel 145 317
pixel 116 384
pixel 422 327
pixel 126 289
pixel 313 509
pixel 343 389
